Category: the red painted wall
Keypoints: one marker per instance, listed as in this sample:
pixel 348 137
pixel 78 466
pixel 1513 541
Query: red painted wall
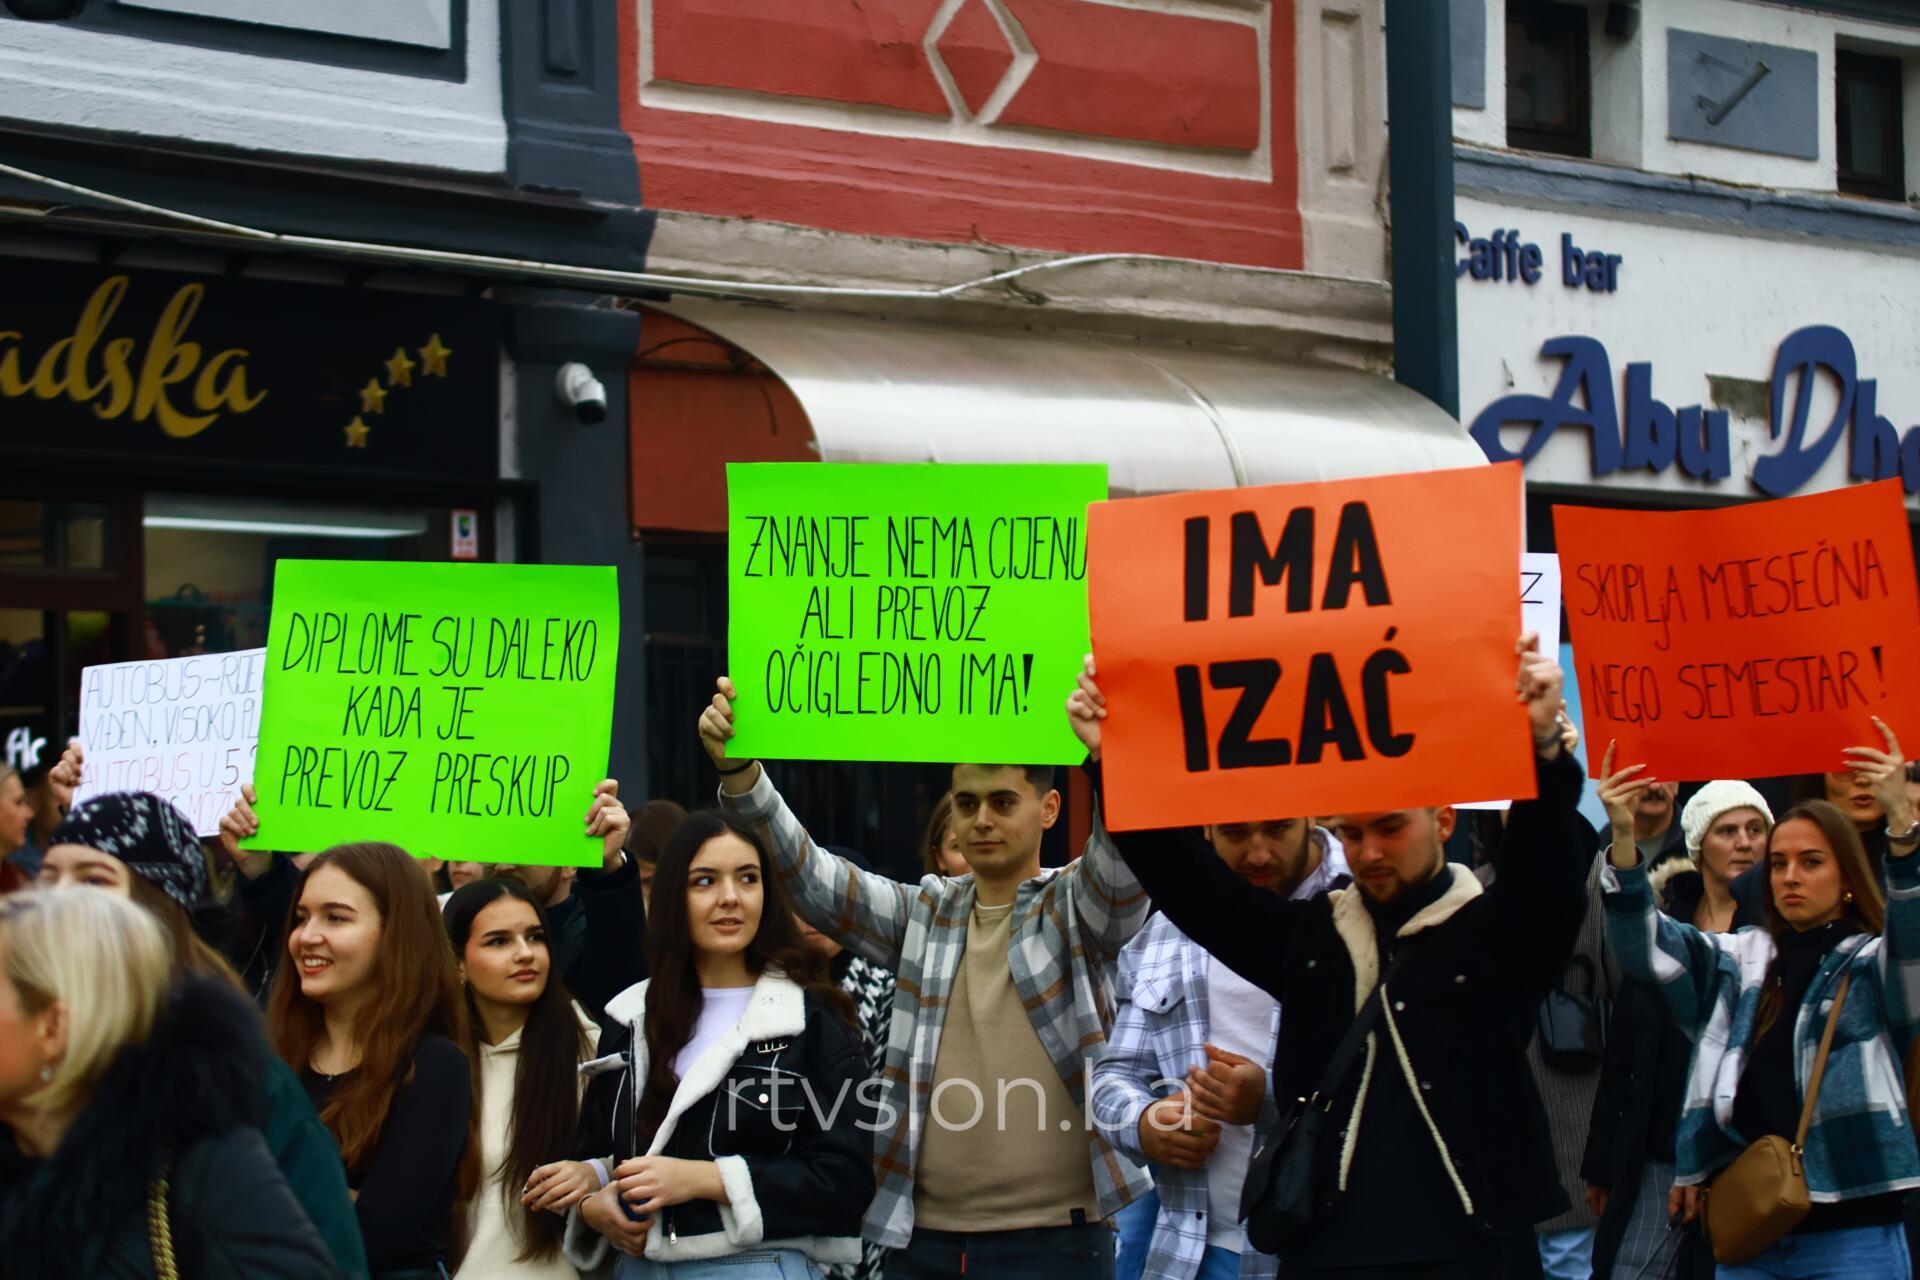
pixel 1144 127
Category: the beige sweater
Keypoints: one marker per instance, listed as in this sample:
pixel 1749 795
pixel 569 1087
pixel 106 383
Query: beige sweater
pixel 495 1251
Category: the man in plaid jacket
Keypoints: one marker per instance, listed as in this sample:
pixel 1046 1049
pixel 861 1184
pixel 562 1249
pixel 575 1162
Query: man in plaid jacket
pixel 986 1160
pixel 1185 1028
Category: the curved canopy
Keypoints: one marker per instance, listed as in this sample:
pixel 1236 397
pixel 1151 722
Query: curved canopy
pixel 1163 417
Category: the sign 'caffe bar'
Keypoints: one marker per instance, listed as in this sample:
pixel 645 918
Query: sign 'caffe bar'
pixel 166 437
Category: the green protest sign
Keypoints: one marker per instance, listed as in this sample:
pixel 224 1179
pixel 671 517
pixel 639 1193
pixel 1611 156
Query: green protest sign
pixel 458 710
pixel 911 612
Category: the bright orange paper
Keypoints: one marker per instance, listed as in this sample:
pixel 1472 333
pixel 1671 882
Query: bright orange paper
pixel 1431 637
pixel 1744 642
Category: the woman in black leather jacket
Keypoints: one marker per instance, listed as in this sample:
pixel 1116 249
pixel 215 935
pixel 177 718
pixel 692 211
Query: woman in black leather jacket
pixel 734 1106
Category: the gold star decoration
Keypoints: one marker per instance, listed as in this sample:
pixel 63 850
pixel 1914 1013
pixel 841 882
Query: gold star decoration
pixel 357 433
pixel 433 358
pixel 373 397
pixel 400 369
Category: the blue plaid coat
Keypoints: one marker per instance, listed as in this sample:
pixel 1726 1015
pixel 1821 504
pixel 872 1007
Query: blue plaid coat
pixel 1859 1142
pixel 1161 1028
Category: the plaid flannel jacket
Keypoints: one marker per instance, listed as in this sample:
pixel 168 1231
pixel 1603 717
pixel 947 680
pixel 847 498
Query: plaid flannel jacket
pixel 1161 1030
pixel 1858 1142
pixel 1068 927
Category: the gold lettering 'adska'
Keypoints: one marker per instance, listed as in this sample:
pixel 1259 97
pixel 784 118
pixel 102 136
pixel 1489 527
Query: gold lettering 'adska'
pixel 115 377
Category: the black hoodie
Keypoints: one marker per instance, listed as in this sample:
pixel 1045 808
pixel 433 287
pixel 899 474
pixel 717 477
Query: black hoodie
pixel 185 1093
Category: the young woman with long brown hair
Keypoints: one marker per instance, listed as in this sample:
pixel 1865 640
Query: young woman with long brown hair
pixel 368 1010
pixel 1756 1003
pixel 528 1043
pixel 745 1155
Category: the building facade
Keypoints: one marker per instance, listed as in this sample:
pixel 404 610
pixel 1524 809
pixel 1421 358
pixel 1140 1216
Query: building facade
pixel 1688 247
pixel 254 310
pixel 1151 234
pixel 294 282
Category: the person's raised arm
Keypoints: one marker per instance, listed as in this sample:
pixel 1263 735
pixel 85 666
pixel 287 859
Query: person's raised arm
pixel 64 777
pixel 1884 768
pixel 1539 894
pixel 1107 895
pixel 1676 960
pixel 613 956
pixel 861 910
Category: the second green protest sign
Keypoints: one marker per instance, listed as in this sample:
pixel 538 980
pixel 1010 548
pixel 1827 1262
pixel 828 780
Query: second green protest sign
pixel 458 710
pixel 912 612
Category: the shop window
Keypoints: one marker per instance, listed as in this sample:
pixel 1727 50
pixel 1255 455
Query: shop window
pixel 53 535
pixel 1869 142
pixel 1549 81
pixel 41 654
pixel 209 561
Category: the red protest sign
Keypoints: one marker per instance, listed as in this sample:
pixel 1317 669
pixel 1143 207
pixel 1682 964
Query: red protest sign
pixel 1744 642
pixel 1308 649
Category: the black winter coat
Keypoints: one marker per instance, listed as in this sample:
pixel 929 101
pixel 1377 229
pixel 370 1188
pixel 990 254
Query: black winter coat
pixel 186 1092
pixel 777 1104
pixel 1643 1081
pixel 1464 1003
pixel 600 937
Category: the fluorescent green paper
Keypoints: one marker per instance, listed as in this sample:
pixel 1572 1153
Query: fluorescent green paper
pixel 456 710
pixel 913 612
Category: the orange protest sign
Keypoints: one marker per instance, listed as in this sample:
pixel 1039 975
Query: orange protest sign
pixel 1307 649
pixel 1744 642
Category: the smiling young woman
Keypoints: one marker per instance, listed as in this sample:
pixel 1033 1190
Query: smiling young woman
pixel 369 1012
pixel 744 1155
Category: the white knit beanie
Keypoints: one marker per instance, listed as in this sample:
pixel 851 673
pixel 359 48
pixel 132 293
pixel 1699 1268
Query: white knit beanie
pixel 1714 799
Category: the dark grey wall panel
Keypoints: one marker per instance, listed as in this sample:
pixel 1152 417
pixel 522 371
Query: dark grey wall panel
pixel 1469 21
pixel 1737 93
pixel 560 68
pixel 1551 182
pixel 581 471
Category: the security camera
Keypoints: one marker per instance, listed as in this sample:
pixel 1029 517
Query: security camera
pixel 581 392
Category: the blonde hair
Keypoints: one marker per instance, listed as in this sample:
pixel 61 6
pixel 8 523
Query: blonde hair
pixel 103 960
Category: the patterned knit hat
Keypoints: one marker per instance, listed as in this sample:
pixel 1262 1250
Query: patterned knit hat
pixel 1714 799
pixel 153 838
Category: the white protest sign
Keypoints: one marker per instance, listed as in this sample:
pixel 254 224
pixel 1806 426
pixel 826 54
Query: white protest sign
pixel 1540 597
pixel 1540 612
pixel 183 728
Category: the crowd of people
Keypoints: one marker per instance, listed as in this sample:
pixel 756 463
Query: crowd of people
pixel 1393 1043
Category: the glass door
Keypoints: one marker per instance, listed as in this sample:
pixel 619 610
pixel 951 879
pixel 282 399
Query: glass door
pixel 69 590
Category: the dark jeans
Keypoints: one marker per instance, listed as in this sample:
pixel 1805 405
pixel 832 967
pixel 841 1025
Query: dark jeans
pixel 1492 1270
pixel 1038 1253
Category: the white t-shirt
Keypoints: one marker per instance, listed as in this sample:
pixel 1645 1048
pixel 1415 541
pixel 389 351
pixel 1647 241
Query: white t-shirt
pixel 1240 1020
pixel 721 1009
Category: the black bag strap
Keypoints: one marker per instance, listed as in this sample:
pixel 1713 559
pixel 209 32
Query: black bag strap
pixel 1349 1047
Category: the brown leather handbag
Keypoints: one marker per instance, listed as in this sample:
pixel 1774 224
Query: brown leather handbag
pixel 1763 1195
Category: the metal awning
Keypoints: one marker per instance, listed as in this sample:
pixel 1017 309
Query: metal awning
pixel 1163 417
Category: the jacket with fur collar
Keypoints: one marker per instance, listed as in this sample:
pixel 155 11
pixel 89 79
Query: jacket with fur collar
pixel 776 1104
pixel 187 1092
pixel 1455 1022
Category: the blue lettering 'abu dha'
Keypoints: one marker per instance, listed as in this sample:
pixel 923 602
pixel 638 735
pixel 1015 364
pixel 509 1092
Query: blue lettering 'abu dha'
pixel 1654 436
